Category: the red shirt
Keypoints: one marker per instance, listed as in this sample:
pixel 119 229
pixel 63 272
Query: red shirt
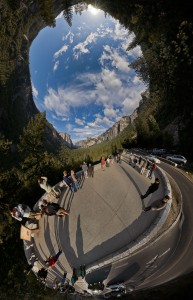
pixel 52 261
pixel 102 161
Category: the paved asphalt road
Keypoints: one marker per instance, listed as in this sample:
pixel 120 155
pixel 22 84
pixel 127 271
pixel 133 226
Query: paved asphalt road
pixel 181 260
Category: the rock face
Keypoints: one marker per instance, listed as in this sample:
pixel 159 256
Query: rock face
pixel 115 130
pixel 66 138
pixel 111 133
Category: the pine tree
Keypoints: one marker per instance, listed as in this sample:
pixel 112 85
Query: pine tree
pixel 32 148
pixel 68 12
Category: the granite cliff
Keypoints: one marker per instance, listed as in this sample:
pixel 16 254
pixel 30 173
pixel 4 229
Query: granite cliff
pixel 66 139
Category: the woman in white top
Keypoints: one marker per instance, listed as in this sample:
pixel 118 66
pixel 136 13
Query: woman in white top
pixel 43 182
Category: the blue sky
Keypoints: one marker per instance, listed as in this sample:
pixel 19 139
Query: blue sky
pixel 80 74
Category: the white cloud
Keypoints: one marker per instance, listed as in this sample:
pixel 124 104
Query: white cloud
pixel 131 102
pixel 79 121
pixel 107 89
pixel 60 101
pixel 104 90
pixel 56 65
pixel 59 52
pixel 104 31
pixel 69 127
pixel 65 119
pixel 110 79
pixel 128 106
pixel 99 120
pixel 118 61
pixel 86 132
pixel 136 80
pixel 81 47
pixel 69 37
pixel 111 112
pixel 135 52
pixel 34 90
pixel 120 31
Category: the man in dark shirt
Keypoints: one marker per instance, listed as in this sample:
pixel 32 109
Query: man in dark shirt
pixel 67 181
pixel 90 171
pixel 158 206
pixel 153 187
pixel 51 209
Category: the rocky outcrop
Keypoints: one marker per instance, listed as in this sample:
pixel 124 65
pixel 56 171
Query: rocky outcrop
pixel 66 139
pixel 115 130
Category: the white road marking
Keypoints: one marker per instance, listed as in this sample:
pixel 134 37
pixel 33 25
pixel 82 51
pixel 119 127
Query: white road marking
pixel 164 252
pixel 152 260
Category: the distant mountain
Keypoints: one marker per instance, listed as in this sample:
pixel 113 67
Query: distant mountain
pixel 117 128
pixel 107 135
pixel 111 133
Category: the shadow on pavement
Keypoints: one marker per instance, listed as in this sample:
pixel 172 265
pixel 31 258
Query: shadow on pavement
pixel 126 274
pixel 99 275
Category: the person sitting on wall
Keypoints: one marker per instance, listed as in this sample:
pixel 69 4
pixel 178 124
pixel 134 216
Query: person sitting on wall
pixel 158 205
pixel 43 183
pixel 21 212
pixel 51 209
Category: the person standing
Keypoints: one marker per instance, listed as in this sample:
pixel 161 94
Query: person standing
pixel 152 188
pixel 90 171
pixel 158 206
pixel 152 170
pixel 143 167
pixel 74 180
pixel 52 260
pixel 74 277
pixel 85 169
pixel 108 162
pixel 65 280
pixel 68 181
pixel 148 164
pixel 42 274
pixel 103 163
